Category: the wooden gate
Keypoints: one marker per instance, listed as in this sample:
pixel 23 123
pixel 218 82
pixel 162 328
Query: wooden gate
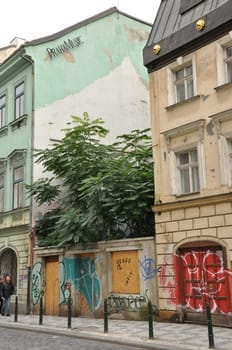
pixel 51 306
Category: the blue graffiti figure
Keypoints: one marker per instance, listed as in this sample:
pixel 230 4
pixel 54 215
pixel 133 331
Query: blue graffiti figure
pixel 88 282
pixel 85 279
pixel 148 268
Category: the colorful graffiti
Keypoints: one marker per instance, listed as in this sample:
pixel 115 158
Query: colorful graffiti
pixel 36 288
pixel 149 268
pixel 200 278
pixel 61 283
pixel 85 279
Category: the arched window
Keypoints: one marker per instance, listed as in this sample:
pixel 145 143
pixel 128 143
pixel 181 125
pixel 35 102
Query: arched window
pixel 8 264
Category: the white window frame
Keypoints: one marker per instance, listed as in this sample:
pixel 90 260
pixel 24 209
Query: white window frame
pixel 224 146
pixel 180 64
pixel 2 111
pixel 221 47
pixel 17 161
pixel 189 166
pixel 19 100
pixel 2 185
pixel 228 61
pixel 18 183
pixel 196 127
pixel 182 83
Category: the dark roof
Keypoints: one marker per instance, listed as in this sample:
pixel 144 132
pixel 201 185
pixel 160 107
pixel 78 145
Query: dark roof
pixel 81 24
pixel 175 31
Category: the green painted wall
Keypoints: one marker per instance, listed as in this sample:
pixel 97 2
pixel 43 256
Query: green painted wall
pixel 18 138
pixel 106 42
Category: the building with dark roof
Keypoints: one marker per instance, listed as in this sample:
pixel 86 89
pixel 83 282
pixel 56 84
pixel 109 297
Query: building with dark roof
pixel 189 59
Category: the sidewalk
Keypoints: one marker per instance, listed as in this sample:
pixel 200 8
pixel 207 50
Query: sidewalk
pixel 134 333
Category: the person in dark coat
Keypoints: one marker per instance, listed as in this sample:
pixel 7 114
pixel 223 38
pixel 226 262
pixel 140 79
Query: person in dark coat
pixel 1 300
pixel 7 291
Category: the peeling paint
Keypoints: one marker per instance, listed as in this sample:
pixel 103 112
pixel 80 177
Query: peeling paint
pixel 109 55
pixel 134 34
pixel 69 57
pixel 204 97
pixel 209 128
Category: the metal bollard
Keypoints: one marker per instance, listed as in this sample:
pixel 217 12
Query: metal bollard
pixel 69 312
pixel 105 317
pixel 150 320
pixel 16 309
pixel 210 326
pixel 41 311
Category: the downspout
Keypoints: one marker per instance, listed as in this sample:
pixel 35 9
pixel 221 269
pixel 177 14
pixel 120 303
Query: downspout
pixel 31 234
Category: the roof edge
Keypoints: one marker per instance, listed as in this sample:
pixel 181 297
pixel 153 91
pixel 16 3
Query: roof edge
pixel 179 44
pixel 80 24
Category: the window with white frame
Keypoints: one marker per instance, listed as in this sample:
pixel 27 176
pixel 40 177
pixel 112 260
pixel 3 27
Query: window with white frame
pixel 188 171
pixel 2 110
pixel 19 100
pixel 229 147
pixel 183 81
pixel 18 178
pixel 1 191
pixel 228 61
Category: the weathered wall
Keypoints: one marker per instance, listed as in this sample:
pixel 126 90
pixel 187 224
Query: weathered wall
pixel 123 268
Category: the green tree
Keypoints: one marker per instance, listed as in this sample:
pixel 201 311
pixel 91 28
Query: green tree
pixel 105 192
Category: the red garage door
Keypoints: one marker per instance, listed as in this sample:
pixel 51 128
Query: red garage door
pixel 204 279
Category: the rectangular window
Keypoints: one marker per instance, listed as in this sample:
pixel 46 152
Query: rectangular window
pixel 19 101
pixel 184 83
pixel 229 144
pixel 1 192
pixel 18 187
pixel 188 171
pixel 228 61
pixel 2 110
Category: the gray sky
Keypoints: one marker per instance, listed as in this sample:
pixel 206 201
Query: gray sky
pixel 32 19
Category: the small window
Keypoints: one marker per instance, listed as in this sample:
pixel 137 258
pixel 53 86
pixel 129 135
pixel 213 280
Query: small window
pixel 19 101
pixel 18 187
pixel 2 110
pixel 188 171
pixel 228 61
pixel 186 5
pixel 1 192
pixel 183 81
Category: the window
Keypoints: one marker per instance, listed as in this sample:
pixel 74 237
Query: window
pixel 229 160
pixel 228 61
pixel 187 5
pixel 188 171
pixel 1 192
pixel 183 80
pixel 18 187
pixel 19 100
pixel 2 110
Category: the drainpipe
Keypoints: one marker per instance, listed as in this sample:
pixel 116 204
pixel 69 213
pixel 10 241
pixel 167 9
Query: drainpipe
pixel 31 235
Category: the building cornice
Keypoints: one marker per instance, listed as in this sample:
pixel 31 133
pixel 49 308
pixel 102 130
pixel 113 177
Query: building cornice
pixel 196 202
pixel 189 39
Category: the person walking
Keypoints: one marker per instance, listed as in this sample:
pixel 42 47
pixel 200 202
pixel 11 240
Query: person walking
pixel 7 291
pixel 1 300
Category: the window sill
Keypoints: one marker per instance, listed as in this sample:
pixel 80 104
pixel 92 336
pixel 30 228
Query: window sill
pixel 170 107
pixel 19 122
pixel 187 194
pixel 4 131
pixel 223 86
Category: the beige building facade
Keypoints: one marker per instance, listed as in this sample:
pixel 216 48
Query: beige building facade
pixel 191 109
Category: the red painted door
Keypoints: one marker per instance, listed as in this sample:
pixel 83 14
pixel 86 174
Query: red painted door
pixel 205 280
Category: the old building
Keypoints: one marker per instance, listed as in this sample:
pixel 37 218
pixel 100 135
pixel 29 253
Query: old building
pixel 94 66
pixel 189 59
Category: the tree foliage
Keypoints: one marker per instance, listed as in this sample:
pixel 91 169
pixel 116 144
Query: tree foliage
pixel 105 192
